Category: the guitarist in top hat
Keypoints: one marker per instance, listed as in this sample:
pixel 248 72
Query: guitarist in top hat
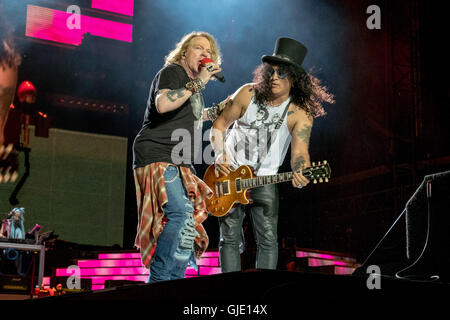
pixel 276 110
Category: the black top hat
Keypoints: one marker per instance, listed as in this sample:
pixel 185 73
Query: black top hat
pixel 287 51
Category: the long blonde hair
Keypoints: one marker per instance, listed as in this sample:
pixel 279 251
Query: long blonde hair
pixel 175 55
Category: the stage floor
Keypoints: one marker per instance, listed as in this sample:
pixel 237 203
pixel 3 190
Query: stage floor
pixel 277 292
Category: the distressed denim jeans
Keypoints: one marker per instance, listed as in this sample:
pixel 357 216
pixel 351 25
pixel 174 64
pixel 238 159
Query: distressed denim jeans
pixel 174 249
pixel 264 219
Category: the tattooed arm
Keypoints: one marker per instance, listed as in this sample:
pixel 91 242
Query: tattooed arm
pixel 235 109
pixel 168 100
pixel 301 125
pixel 8 80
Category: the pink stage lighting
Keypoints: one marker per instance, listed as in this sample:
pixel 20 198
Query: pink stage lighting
pixel 50 24
pixel 210 254
pixel 109 263
pixel 85 272
pixel 124 7
pixel 127 266
pixel 206 271
pixel 102 279
pixel 131 255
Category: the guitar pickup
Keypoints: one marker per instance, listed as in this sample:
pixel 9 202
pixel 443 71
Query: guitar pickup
pixel 223 188
pixel 238 185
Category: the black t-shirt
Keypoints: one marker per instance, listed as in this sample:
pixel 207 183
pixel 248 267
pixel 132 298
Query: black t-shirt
pixel 154 142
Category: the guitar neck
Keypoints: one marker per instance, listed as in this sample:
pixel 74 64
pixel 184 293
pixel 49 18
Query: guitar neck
pixel 272 179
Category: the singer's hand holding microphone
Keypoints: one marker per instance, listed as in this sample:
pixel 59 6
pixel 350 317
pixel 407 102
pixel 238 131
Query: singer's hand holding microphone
pixel 209 69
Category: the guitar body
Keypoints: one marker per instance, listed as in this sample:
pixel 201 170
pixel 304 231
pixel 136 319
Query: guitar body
pixel 226 195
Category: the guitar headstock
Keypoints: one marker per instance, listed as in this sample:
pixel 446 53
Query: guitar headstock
pixel 319 172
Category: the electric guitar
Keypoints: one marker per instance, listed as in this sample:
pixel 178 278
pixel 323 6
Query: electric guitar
pixel 232 189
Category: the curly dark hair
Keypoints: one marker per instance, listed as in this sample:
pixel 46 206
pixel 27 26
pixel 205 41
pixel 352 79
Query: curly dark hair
pixel 8 55
pixel 306 92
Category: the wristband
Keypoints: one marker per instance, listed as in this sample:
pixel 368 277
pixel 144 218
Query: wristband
pixel 213 112
pixel 195 85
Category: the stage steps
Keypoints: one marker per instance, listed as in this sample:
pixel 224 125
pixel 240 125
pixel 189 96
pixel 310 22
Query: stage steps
pixel 126 266
pixel 324 262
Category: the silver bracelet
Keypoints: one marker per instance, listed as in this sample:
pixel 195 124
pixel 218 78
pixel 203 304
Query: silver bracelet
pixel 213 112
pixel 195 85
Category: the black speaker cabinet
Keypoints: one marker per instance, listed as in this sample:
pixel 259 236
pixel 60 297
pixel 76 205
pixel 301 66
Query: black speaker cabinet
pixel 16 284
pixel 426 231
pixel 428 226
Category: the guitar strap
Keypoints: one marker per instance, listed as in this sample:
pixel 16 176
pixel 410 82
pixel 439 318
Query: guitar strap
pixel 272 137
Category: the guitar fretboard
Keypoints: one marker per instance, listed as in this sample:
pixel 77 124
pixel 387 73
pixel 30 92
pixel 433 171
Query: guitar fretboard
pixel 264 180
pixel 318 173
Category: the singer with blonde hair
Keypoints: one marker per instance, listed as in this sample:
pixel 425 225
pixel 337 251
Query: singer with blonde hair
pixel 170 197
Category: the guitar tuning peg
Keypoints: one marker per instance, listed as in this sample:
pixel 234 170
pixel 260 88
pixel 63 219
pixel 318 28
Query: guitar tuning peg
pixel 313 164
pixel 325 161
pixel 326 179
pixel 319 163
pixel 320 180
pixel 314 181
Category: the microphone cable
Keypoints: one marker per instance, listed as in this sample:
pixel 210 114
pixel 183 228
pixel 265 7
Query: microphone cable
pixel 378 244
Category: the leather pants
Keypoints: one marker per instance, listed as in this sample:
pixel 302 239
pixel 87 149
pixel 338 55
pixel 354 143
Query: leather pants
pixel 264 218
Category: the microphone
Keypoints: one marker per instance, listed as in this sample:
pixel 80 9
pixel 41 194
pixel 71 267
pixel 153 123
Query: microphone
pixel 219 76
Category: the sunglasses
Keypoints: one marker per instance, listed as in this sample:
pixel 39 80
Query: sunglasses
pixel 281 74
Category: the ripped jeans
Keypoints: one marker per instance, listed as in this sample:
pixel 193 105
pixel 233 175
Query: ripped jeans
pixel 174 249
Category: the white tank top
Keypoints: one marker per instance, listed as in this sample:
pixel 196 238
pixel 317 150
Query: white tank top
pixel 246 141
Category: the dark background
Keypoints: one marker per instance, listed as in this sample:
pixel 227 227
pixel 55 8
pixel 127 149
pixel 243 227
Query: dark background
pixel 387 129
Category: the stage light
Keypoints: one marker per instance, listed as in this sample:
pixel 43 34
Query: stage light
pixel 88 104
pixel 124 7
pixel 50 24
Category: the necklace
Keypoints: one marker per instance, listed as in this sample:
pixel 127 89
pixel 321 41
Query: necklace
pixel 273 105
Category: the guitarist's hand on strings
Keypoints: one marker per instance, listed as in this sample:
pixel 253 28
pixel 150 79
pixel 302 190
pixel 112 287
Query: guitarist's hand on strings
pixel 298 180
pixel 223 166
